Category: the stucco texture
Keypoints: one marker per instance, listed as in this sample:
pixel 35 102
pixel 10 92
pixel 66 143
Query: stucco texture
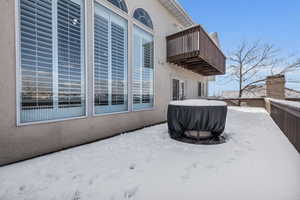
pixel 22 142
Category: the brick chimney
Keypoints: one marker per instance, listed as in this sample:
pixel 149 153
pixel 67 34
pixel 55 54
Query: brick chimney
pixel 276 86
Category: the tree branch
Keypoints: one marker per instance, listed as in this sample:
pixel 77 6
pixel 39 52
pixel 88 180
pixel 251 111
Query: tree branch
pixel 253 83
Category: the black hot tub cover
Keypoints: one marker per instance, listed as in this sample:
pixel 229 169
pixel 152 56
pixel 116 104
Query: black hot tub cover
pixel 196 115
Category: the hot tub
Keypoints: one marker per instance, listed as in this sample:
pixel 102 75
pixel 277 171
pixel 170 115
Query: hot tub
pixel 196 119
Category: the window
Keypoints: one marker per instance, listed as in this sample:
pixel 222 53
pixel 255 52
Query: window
pixel 51 60
pixel 120 4
pixel 178 90
pixel 182 93
pixel 200 89
pixel 143 70
pixel 175 89
pixel 142 16
pixel 110 58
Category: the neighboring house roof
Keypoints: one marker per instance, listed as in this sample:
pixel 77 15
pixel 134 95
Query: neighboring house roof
pixel 259 91
pixel 178 12
pixel 290 93
pixel 215 37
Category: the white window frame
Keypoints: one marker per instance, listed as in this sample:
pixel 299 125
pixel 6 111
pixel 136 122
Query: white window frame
pixel 131 22
pixel 138 25
pixel 115 10
pixel 135 22
pixel 181 80
pixel 18 68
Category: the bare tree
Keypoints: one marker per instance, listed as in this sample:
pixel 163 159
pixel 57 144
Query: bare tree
pixel 289 67
pixel 250 64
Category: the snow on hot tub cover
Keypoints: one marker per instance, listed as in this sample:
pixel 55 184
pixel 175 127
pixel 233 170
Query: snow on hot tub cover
pixel 198 102
pixel 196 115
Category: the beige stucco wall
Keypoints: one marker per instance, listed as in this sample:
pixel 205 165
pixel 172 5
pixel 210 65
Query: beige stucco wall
pixel 17 143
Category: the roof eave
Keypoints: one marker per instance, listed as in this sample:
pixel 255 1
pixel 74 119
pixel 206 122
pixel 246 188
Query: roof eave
pixel 178 12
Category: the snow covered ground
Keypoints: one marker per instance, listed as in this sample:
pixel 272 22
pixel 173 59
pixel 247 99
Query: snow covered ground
pixel 257 163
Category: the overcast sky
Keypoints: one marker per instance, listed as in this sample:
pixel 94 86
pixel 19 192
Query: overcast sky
pixel 272 21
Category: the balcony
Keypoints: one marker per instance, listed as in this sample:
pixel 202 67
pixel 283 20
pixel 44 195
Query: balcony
pixel 193 49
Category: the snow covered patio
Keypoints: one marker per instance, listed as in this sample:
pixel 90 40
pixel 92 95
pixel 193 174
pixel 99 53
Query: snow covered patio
pixel 257 163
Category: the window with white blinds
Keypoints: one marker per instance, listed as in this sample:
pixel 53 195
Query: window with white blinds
pixel 51 60
pixel 110 62
pixel 143 70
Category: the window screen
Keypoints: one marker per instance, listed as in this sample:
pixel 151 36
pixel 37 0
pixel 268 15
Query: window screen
pixel 52 61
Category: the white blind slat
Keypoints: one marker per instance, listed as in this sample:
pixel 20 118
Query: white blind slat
pixel 118 62
pixel 101 61
pixel 69 54
pixel 36 47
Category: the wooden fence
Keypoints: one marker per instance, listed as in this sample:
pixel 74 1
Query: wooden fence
pixel 287 117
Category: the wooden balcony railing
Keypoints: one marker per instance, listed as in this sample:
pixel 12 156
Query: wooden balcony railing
pixel 284 113
pixel 287 117
pixel 195 50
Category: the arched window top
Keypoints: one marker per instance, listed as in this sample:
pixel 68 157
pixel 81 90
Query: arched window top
pixel 141 15
pixel 120 4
